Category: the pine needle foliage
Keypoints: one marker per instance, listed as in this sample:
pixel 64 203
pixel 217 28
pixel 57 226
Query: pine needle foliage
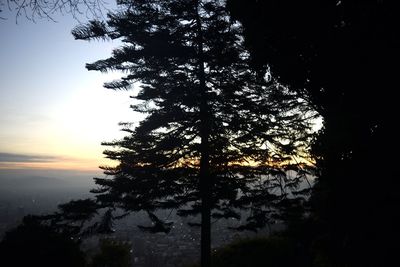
pixel 217 138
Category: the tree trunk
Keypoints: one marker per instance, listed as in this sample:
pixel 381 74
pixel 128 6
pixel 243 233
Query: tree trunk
pixel 205 182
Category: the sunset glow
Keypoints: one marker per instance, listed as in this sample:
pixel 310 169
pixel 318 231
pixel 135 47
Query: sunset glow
pixel 49 103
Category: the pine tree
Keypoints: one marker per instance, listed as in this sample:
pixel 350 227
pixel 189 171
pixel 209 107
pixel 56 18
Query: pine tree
pixel 217 136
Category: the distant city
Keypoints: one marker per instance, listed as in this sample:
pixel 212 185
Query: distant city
pixel 24 192
pixel 37 192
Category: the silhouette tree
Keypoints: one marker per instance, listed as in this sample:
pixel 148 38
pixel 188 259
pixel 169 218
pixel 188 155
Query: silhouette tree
pixel 217 138
pixel 34 244
pixel 342 52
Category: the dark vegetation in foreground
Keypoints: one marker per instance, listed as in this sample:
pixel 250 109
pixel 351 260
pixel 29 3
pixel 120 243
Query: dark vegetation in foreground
pixel 259 252
pixel 35 244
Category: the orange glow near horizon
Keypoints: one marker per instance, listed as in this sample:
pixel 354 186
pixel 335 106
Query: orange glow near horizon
pixel 77 164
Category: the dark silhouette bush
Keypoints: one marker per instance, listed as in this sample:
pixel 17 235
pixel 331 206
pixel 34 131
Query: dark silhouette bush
pixel 273 251
pixel 34 244
pixel 113 253
pixel 259 252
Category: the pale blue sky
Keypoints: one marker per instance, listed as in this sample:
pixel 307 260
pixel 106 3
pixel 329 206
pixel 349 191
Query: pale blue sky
pixel 49 103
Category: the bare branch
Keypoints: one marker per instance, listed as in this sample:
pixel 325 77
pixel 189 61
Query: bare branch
pixel 47 9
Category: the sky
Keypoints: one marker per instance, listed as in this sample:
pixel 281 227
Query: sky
pixel 53 112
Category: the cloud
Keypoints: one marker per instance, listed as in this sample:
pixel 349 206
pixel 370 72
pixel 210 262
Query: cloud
pixel 14 161
pixel 11 157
